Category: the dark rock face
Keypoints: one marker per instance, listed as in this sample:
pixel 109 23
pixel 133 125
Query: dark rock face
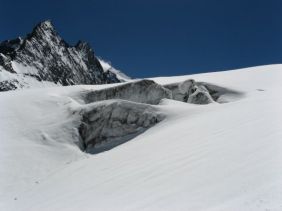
pixel 55 60
pixel 5 62
pixel 143 91
pixel 110 123
pixel 9 47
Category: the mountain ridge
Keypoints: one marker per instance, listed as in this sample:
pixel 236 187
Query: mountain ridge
pixel 44 57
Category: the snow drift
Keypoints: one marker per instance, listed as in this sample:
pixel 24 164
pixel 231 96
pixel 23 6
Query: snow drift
pixel 194 92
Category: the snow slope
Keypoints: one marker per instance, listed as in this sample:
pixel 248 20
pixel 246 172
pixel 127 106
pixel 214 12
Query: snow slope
pixel 201 157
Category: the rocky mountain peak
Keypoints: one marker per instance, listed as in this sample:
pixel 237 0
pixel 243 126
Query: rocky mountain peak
pixel 44 26
pixel 45 56
pixel 45 32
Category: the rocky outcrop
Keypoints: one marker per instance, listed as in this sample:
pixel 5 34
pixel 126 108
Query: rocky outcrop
pixel 221 94
pixel 8 85
pixel 194 92
pixel 181 91
pixel 107 124
pixel 142 91
pixel 200 95
pixel 117 114
pixel 44 55
pixel 5 62
pixel 108 68
pixel 190 91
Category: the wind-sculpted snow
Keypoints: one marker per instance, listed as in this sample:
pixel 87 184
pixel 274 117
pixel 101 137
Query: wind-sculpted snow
pixel 181 91
pixel 143 91
pixel 199 95
pixel 221 94
pixel 110 123
pixel 194 92
pixel 214 157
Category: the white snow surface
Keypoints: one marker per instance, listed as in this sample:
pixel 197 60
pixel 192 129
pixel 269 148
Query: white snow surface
pixel 201 157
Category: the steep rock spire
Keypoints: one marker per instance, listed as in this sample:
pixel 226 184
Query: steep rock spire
pixel 44 55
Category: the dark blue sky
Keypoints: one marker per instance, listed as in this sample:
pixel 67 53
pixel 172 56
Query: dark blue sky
pixel 160 37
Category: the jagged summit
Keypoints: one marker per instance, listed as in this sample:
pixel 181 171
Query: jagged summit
pixel 43 57
pixel 46 25
pixel 43 28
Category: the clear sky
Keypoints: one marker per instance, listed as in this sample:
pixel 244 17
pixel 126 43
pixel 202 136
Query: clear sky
pixel 159 37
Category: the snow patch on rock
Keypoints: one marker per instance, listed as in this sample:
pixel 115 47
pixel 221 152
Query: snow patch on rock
pixel 107 67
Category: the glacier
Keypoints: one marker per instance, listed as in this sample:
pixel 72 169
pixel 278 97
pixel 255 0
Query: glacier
pixel 224 155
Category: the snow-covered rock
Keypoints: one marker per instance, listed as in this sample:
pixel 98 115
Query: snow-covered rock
pixel 182 90
pixel 45 56
pixel 199 95
pixel 141 91
pixel 5 62
pixel 107 124
pixel 191 91
pixel 107 67
pixel 221 94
